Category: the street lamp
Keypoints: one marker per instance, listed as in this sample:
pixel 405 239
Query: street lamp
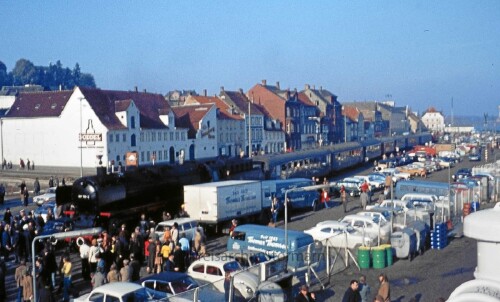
pixel 81 141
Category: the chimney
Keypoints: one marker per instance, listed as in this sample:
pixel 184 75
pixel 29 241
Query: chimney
pixel 287 94
pixel 307 86
pixel 278 85
pixel 221 88
pixel 60 87
pixel 314 87
pixel 264 82
pixel 135 88
pixel 240 90
pixel 144 90
pixel 320 88
pixel 204 92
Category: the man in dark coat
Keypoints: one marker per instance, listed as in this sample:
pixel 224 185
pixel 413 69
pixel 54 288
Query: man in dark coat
pixel 179 259
pixel 352 293
pixel 135 269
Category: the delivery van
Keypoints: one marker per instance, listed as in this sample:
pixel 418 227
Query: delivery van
pixel 272 242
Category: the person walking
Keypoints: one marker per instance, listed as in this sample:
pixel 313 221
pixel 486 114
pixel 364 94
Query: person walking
pixel 98 278
pixel 27 285
pixel 352 293
pixel 364 194
pixel 125 271
pixel 227 285
pixel 275 206
pixel 19 275
pixel 2 193
pixel 66 272
pixel 304 295
pixel 84 257
pixel 364 289
pixel 325 198
pixel 36 186
pixel 343 197
pixel 384 289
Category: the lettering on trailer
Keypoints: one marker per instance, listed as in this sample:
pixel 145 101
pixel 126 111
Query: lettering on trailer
pixel 266 240
pixel 241 194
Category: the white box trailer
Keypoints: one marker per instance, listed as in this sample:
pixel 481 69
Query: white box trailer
pixel 217 202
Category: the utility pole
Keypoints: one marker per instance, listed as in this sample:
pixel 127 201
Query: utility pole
pixel 249 131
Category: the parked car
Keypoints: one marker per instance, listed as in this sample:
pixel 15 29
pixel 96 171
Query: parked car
pixel 167 284
pixel 446 162
pixel 340 235
pixel 369 226
pixel 374 182
pixel 475 157
pixel 413 169
pixel 351 187
pixel 212 269
pixel 116 292
pixel 462 173
pixel 397 173
pixel 50 195
pixel 186 226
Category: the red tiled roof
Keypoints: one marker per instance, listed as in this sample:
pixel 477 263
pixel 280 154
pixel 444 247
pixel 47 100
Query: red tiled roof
pixel 273 104
pixel 351 112
pixel 122 105
pixel 241 101
pixel 40 104
pixel 189 116
pixel 149 105
pixel 224 109
pixel 304 99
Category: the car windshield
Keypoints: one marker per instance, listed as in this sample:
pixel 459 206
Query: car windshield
pixel 183 285
pixel 139 295
pixel 51 190
pixel 232 266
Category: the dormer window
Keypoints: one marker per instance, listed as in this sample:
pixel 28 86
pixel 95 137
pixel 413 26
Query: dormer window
pixel 37 106
pixel 132 122
pixel 53 106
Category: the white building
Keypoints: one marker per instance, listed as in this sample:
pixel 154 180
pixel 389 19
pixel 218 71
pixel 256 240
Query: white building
pixel 80 127
pixel 433 120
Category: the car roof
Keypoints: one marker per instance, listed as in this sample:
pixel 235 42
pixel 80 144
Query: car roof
pixel 117 289
pixel 214 259
pixel 165 276
pixel 243 252
pixel 178 220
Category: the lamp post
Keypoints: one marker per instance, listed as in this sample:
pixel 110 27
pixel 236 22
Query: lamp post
pixel 81 141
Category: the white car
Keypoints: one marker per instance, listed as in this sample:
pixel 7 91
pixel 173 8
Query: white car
pixel 396 173
pixel 340 235
pixel 50 195
pixel 367 225
pixel 116 292
pixel 212 269
pixel 186 226
pixel 374 181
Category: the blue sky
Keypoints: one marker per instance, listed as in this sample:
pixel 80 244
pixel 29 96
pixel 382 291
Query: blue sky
pixel 422 53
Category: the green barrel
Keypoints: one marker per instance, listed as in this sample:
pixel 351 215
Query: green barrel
pixel 379 257
pixel 364 257
pixel 388 254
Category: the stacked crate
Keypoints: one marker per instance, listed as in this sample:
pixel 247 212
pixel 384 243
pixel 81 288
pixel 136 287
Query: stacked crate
pixel 439 236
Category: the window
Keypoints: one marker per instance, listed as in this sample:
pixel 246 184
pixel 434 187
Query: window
pixel 326 230
pixel 165 136
pixel 171 136
pixel 117 137
pixel 111 138
pixel 148 155
pixel 165 154
pixel 97 297
pixel 153 136
pixel 142 156
pixel 200 268
pixel 124 137
pixel 212 270
pixel 132 122
pixel 132 140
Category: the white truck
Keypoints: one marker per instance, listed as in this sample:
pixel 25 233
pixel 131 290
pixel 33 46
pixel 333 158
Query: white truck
pixel 217 202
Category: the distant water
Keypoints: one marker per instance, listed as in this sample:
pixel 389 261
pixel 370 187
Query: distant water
pixel 475 121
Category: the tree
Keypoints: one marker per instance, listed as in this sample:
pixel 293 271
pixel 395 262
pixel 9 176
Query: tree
pixel 4 76
pixel 24 72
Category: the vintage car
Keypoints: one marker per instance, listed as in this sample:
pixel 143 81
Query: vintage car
pixel 212 269
pixel 340 235
pixel 50 195
pixel 369 226
pixel 116 292
pixel 186 227
pixel 165 285
pixel 413 169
